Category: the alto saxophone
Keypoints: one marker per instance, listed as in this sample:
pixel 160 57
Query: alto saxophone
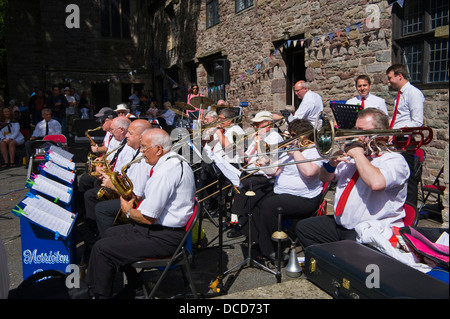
pixel 124 187
pixel 102 192
pixel 90 157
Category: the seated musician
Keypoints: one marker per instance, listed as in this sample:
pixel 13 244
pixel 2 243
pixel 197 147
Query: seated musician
pixel 258 182
pixel 226 135
pixel 86 182
pixel 138 173
pixel 123 155
pixel 378 195
pixel 297 188
pixel 158 221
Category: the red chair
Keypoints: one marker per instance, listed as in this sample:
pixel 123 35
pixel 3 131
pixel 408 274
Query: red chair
pixel 181 257
pixel 412 215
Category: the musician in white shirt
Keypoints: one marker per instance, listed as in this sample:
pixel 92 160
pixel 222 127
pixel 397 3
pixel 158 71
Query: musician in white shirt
pixel 363 84
pixel 379 193
pixel 310 106
pixel 159 221
pixel 138 173
pixel 297 190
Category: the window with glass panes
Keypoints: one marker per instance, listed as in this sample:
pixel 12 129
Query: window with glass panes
pixel 415 43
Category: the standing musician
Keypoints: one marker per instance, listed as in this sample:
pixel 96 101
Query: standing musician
pixel 363 84
pixel 122 156
pixel 297 188
pixel 408 112
pixel 311 104
pixel 370 188
pixel 158 222
pixel 258 182
pixel 138 173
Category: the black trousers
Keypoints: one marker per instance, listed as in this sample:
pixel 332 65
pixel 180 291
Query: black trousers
pixel 105 213
pixel 243 204
pixel 413 181
pixel 293 207
pixel 320 230
pixel 124 244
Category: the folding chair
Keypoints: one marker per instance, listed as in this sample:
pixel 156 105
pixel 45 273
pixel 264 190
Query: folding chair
pixel 38 150
pixel 182 257
pixel 412 215
pixel 435 191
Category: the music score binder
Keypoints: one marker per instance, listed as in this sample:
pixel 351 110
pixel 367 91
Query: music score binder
pixel 47 215
pixel 345 114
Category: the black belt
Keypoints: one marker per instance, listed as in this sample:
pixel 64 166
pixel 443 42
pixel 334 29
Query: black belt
pixel 161 227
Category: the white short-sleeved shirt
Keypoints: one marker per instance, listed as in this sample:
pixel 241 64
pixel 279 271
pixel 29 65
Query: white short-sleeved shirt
pixel 291 181
pixel 271 138
pixel 308 109
pixel 11 131
pixel 370 101
pixel 363 204
pixel 231 133
pixel 139 173
pixel 170 192
pixel 54 127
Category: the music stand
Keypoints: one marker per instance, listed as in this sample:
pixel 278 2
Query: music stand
pixel 345 114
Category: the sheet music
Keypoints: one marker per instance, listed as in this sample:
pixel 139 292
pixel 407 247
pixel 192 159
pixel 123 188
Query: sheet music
pixel 54 189
pixel 58 171
pixel 60 160
pixel 47 214
pixel 230 172
pixel 61 152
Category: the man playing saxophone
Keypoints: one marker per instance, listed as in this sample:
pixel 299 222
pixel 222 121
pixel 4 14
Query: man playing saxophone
pixel 122 156
pixel 138 173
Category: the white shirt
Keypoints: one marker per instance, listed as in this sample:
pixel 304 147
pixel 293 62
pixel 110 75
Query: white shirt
pixel 125 156
pixel 11 131
pixel 370 101
pixel 410 107
pixel 291 181
pixel 111 143
pixel 364 204
pixel 232 155
pixel 271 138
pixel 170 192
pixel 308 109
pixel 54 127
pixel 169 116
pixel 138 173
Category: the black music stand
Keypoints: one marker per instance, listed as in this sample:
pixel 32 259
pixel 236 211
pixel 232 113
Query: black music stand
pixel 345 114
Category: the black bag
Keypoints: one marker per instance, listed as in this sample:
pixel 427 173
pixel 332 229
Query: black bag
pixel 47 284
pixel 348 270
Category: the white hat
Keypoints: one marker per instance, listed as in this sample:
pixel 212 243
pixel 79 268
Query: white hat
pixel 122 107
pixel 102 111
pixel 263 116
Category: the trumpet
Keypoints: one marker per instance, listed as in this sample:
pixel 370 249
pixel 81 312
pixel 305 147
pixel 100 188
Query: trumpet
pixel 124 186
pixel 407 139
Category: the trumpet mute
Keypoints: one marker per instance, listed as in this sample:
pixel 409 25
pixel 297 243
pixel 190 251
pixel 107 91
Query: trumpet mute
pixel 250 193
pixel 293 268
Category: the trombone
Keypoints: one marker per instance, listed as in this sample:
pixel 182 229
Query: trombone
pixel 326 137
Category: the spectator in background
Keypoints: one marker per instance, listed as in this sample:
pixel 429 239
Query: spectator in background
pixel 84 105
pixel 48 126
pixel 70 111
pixel 10 138
pixel 134 100
pixel 36 105
pixel 58 104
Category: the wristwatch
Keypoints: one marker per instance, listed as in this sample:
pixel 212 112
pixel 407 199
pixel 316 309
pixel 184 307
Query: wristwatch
pixel 128 213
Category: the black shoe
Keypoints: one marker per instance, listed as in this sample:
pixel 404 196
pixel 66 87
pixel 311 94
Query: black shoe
pixel 235 232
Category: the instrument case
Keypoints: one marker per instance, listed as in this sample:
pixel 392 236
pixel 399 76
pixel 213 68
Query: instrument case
pixel 349 270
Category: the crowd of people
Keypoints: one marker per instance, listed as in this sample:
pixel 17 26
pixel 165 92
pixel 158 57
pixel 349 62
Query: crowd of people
pixel 369 187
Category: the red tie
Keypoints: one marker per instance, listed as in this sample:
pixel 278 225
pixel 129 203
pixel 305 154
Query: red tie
pixel 344 197
pixel 362 102
pixel 395 111
pixel 151 172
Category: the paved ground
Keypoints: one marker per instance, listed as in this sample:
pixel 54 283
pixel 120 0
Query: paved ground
pixel 242 283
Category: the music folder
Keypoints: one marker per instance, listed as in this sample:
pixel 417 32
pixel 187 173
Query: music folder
pixel 345 114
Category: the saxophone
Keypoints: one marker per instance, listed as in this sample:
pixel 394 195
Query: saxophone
pixel 102 192
pixel 124 187
pixel 90 157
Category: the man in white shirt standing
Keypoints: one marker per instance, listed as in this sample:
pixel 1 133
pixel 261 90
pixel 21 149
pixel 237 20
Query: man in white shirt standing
pixel 366 99
pixel 310 106
pixel 408 112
